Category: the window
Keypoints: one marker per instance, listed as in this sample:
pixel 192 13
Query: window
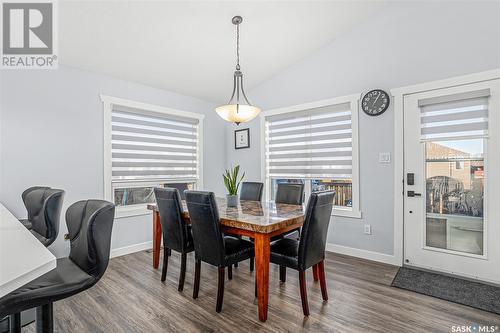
pixel 315 144
pixel 147 146
pixel 453 129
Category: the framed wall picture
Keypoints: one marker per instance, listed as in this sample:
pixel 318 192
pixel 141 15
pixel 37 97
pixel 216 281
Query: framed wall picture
pixel 242 138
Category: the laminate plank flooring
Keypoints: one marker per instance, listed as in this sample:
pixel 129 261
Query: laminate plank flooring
pixel 131 298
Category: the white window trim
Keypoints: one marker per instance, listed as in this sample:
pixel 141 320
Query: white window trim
pixel 108 103
pixel 354 211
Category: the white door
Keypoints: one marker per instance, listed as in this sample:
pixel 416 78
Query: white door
pixel 452 180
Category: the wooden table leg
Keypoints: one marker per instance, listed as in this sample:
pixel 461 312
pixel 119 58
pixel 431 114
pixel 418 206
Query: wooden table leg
pixel 156 239
pixel 262 256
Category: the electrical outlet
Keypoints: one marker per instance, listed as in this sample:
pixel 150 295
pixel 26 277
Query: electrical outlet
pixel 368 229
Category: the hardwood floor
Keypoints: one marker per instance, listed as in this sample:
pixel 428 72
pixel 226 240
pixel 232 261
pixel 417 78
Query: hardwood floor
pixel 131 298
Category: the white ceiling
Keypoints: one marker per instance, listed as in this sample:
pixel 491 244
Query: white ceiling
pixel 189 47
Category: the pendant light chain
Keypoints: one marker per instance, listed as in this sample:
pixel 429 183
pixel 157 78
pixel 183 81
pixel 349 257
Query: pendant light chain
pixel 238 47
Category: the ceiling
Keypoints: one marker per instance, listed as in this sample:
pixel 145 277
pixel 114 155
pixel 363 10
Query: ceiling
pixel 189 47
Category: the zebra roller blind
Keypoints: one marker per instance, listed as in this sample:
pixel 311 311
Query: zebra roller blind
pixel 312 144
pixel 152 147
pixel 454 116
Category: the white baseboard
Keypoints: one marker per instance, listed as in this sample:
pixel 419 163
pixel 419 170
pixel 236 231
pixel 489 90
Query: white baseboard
pixel 121 251
pixel 364 254
pixel 349 251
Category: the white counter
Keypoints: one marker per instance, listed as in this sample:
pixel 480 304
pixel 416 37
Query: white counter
pixel 22 257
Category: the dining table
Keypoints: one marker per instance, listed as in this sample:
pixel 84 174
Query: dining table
pixel 254 219
pixel 22 257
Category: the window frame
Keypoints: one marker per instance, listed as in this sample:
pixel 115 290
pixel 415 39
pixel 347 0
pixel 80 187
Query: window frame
pixel 355 210
pixel 108 188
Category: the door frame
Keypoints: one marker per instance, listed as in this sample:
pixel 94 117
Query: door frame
pixel 398 95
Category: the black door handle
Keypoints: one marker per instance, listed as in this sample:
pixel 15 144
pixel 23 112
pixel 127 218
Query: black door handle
pixel 414 194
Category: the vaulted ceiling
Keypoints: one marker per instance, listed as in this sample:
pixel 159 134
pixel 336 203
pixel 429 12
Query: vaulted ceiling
pixel 189 46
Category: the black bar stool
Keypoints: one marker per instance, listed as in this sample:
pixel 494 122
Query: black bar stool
pixel 89 227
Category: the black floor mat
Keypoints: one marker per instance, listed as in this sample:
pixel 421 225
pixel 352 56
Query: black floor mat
pixel 475 294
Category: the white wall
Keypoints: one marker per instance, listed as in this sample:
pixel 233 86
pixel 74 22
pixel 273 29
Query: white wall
pixel 404 44
pixel 51 134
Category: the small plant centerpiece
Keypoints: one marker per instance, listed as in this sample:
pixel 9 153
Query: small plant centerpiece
pixel 232 184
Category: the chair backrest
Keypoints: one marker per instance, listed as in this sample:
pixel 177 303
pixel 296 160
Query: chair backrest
pixel 44 206
pixel 90 223
pixel 251 191
pixel 25 194
pixel 290 193
pixel 207 237
pixel 180 186
pixel 313 236
pixel 172 224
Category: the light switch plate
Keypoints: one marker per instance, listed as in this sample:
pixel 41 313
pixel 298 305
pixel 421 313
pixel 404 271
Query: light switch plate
pixel 367 229
pixel 384 157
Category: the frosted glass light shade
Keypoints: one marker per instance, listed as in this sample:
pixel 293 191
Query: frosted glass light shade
pixel 242 114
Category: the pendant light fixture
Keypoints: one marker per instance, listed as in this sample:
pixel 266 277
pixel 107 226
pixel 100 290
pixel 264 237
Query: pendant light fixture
pixel 235 111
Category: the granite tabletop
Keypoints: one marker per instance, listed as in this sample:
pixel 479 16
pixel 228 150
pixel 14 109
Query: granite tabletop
pixel 262 217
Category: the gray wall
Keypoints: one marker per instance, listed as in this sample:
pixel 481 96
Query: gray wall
pixel 406 43
pixel 51 121
pixel 51 134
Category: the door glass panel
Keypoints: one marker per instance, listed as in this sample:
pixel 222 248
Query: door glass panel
pixel 455 195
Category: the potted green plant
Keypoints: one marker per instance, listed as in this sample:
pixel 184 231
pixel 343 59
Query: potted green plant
pixel 232 184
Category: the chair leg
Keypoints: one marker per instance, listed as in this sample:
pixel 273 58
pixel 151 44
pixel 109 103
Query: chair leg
pixel 169 252
pixel 252 260
pixel 303 292
pixel 45 318
pixel 236 265
pixel 182 275
pixel 196 287
pixel 315 273
pixel 322 280
pixel 15 323
pixel 220 289
pixel 230 272
pixel 282 274
pixel 165 264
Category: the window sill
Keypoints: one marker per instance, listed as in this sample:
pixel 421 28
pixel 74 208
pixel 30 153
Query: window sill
pixel 122 212
pixel 346 213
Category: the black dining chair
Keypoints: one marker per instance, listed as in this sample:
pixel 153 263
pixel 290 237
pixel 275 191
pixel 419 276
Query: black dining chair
pixel 290 194
pixel 251 191
pixel 177 234
pixel 180 186
pixel 310 250
pixel 43 205
pixel 210 245
pixel 89 227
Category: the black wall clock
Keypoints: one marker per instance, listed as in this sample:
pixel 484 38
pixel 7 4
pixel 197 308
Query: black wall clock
pixel 375 102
